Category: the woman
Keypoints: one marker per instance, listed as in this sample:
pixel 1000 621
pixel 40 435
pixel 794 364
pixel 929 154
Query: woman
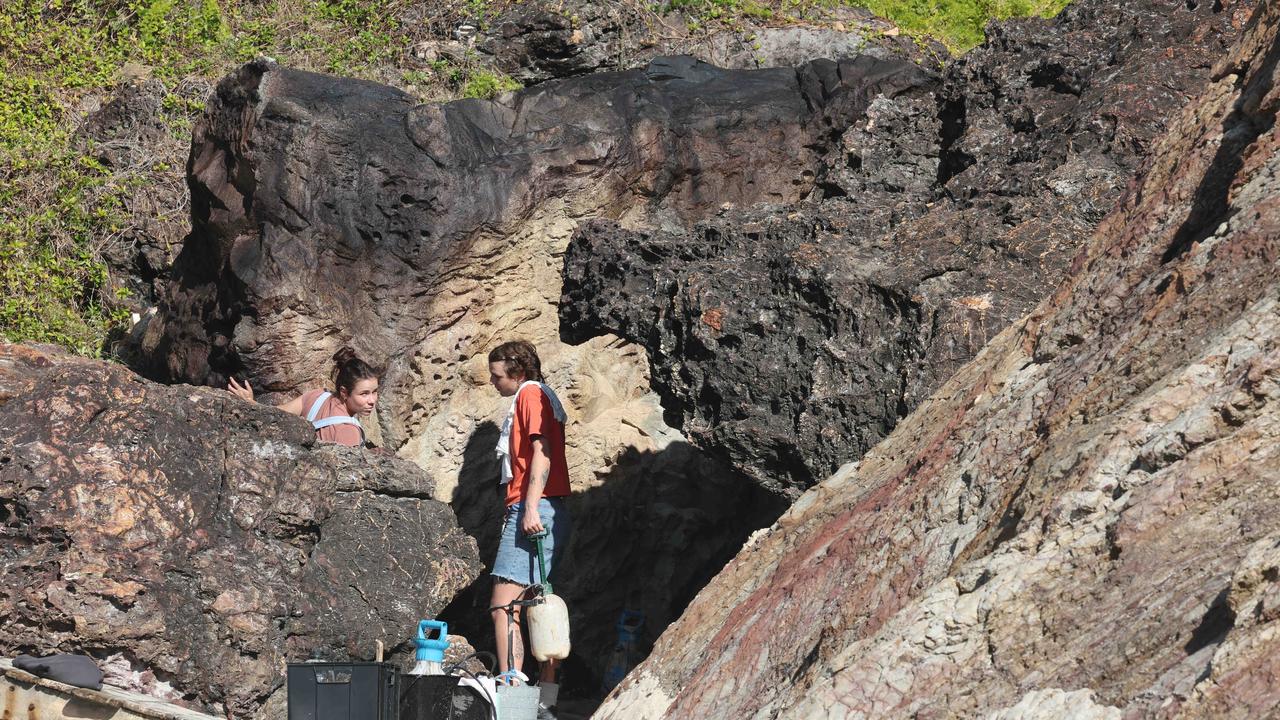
pixel 536 479
pixel 333 414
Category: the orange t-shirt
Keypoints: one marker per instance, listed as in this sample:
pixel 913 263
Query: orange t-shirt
pixel 534 416
pixel 343 434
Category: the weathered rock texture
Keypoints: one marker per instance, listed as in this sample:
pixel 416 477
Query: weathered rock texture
pixel 548 39
pixel 330 211
pixel 200 537
pixel 129 135
pixel 791 339
pixel 1084 521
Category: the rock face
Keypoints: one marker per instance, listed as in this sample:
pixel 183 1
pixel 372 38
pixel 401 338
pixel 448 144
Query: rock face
pixel 333 212
pixel 201 538
pixel 548 39
pixel 789 340
pixel 1083 521
pixel 129 134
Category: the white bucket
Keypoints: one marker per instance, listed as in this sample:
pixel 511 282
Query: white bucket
pixel 518 702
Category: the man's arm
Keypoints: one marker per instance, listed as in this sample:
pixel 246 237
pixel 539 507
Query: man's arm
pixel 539 472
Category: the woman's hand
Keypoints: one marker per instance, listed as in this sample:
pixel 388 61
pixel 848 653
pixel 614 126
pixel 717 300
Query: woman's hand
pixel 531 523
pixel 244 392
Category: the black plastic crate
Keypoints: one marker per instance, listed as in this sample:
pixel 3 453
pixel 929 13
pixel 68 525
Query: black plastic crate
pixel 343 691
pixel 440 697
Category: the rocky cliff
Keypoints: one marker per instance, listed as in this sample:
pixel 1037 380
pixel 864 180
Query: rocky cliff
pixel 790 339
pixel 1083 521
pixel 866 225
pixel 331 211
pixel 190 535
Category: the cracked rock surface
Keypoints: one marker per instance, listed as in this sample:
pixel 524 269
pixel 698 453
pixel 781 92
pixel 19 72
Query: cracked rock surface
pixel 1084 521
pixel 541 40
pixel 790 339
pixel 201 538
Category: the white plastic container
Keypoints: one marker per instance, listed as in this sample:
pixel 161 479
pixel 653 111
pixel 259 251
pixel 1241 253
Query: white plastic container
pixel 549 629
pixel 517 702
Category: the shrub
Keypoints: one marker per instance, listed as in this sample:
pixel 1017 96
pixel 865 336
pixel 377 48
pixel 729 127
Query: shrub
pixel 486 84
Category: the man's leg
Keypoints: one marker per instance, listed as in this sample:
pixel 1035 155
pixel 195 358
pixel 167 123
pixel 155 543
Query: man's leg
pixel 504 592
pixel 559 526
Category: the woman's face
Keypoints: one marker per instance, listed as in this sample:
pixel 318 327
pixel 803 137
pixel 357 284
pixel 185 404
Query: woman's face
pixel 362 398
pixel 505 384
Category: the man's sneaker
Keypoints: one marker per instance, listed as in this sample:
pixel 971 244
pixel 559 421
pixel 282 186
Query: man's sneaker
pixel 544 713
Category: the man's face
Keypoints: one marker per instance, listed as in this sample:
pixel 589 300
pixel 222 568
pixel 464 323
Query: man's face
pixel 505 384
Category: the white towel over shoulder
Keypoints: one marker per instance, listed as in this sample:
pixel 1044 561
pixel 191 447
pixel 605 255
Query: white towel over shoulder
pixel 504 440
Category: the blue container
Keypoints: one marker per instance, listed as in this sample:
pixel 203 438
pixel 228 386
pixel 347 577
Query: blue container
pixel 431 646
pixel 624 655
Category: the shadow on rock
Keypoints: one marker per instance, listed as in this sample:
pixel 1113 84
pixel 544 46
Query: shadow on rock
pixel 649 532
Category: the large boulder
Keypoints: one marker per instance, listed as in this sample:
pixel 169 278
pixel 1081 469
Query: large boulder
pixel 791 339
pixel 201 538
pixel 1084 521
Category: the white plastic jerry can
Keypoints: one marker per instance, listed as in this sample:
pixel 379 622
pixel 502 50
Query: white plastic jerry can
pixel 549 628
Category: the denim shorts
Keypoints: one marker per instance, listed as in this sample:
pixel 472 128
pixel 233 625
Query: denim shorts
pixel 517 559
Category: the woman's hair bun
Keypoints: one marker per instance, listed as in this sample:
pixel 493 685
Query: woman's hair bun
pixel 349 369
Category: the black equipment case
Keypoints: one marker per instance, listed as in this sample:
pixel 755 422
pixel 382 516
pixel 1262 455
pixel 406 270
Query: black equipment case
pixel 343 691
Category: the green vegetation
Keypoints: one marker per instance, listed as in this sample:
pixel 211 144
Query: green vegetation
pixel 62 209
pixel 482 83
pixel 958 24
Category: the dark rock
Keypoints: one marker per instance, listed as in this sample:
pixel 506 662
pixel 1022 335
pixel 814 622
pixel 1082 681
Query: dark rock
pixel 329 211
pixel 533 43
pixel 541 40
pixel 1082 522
pixel 790 340
pixel 129 135
pixel 205 539
pixel 799 356
pixel 121 132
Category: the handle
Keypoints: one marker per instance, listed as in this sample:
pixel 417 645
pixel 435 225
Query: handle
pixel 431 649
pixel 542 568
pixel 439 625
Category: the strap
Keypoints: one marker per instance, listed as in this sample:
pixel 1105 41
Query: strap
pixel 339 420
pixel 319 403
pixel 335 420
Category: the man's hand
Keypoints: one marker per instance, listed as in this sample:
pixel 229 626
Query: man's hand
pixel 531 523
pixel 244 392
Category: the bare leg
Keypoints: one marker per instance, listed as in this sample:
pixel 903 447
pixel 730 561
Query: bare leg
pixel 504 592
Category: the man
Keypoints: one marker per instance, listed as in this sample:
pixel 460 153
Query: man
pixel 536 479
